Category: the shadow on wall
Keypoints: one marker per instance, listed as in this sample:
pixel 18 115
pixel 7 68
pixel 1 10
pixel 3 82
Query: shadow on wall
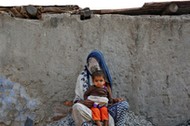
pixel 16 106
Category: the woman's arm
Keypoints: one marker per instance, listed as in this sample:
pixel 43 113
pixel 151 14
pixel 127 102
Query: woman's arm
pixel 109 94
pixel 87 93
pixel 79 89
pixel 112 100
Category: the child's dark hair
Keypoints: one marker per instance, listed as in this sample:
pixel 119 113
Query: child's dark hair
pixel 97 74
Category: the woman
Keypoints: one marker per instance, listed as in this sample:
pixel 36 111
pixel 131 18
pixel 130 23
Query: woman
pixel 81 113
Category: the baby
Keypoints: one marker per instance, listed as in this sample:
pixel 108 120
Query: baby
pixel 99 94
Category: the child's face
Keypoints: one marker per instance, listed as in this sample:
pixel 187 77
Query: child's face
pixel 99 81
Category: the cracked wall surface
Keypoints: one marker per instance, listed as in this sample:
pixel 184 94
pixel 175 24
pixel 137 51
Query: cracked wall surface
pixel 148 57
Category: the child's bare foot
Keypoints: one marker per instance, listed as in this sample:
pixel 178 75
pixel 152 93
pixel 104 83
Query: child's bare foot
pixel 106 123
pixel 98 123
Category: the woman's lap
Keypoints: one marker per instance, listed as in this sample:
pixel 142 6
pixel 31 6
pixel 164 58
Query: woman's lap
pixel 118 111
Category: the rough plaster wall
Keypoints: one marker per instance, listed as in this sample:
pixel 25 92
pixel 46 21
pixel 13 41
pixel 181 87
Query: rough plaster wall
pixel 148 57
pixel 164 70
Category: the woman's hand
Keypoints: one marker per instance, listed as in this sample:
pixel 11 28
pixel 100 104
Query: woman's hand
pixel 115 100
pixel 87 103
pixel 68 103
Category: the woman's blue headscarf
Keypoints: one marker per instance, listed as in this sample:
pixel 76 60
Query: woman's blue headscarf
pixel 100 58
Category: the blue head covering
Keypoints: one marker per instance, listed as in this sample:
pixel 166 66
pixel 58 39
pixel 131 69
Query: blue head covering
pixel 100 58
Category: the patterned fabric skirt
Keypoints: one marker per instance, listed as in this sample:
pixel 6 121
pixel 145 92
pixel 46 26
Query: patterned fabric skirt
pixel 119 112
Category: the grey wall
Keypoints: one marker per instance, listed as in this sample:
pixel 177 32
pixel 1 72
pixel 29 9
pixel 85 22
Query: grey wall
pixel 148 57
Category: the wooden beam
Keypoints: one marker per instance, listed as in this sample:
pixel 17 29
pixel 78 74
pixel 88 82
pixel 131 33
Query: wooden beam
pixel 171 9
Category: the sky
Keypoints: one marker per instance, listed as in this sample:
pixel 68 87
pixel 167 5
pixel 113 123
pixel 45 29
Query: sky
pixel 92 4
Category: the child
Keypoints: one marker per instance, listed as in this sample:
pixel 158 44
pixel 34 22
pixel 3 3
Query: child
pixel 99 94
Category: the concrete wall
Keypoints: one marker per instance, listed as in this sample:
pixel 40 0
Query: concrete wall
pixel 148 57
